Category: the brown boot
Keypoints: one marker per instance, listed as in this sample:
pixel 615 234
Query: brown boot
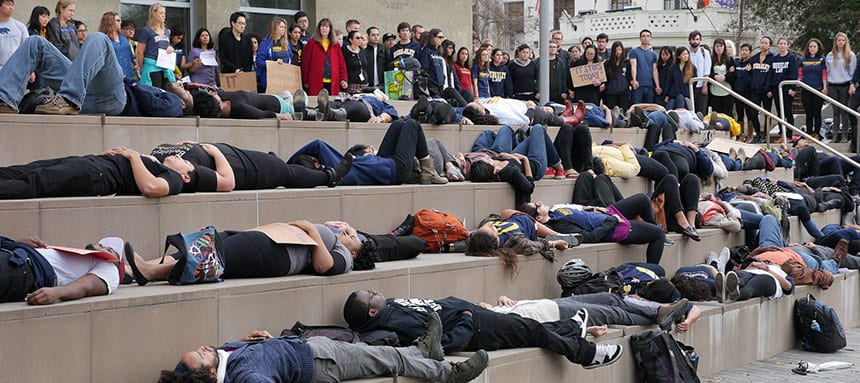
pixel 568 109
pixel 579 113
pixel 428 173
pixel 571 120
pixel 840 252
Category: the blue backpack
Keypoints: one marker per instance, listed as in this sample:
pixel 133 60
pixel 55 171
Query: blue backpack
pixel 817 326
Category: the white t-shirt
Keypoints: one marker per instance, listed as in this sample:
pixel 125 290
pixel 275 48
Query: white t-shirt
pixel 541 310
pixel 70 267
pixel 777 270
pixel 509 111
pixel 12 35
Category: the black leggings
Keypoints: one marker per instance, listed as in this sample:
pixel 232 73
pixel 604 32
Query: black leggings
pixel 755 285
pixel 272 172
pixel 645 231
pixel 761 99
pixel 722 104
pixel 651 168
pixel 356 111
pixel 681 198
pixel 574 147
pixel 654 131
pixel 595 191
pixel 812 105
pixel 403 142
pixel 620 100
pixel 252 254
pixel 675 163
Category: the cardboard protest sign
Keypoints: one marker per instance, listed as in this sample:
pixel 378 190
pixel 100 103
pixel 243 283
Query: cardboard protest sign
pixel 586 74
pixel 282 77
pixel 239 81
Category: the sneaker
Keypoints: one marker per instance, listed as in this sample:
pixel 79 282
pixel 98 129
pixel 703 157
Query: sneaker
pixel 671 314
pixel 733 289
pixel 711 260
pixel 581 318
pixel 641 116
pixel 558 174
pixel 572 240
pixel 668 241
pixel 430 343
pixel 675 117
pixel 57 105
pixel 723 259
pixel 454 174
pixel 549 173
pixel 380 94
pixel 712 121
pixel 719 286
pixel 604 355
pixel 6 109
pixel 466 371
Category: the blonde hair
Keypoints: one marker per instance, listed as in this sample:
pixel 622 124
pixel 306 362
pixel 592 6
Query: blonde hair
pixel 61 5
pixel 846 51
pixel 153 13
pixel 273 28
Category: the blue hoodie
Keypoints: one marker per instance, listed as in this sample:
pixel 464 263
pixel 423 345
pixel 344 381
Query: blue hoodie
pixel 267 51
pixel 501 84
pixel 433 63
pixel 760 73
pixel 284 359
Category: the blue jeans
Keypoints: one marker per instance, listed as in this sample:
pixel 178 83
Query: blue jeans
pixel 676 102
pixel 770 233
pixel 537 147
pixel 93 82
pixel 643 94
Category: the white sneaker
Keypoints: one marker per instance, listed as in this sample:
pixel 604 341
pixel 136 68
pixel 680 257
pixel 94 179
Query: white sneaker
pixel 380 94
pixel 581 317
pixel 723 259
pixel 605 355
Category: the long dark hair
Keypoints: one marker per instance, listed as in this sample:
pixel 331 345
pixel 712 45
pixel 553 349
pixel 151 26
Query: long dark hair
pixel 479 118
pixel 34 17
pixel 331 36
pixel 662 64
pixel 449 59
pixel 719 59
pixel 615 63
pixel 480 244
pixel 196 42
pixel 466 64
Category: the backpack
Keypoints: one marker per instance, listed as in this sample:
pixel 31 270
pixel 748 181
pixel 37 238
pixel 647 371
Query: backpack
pixel 438 229
pixel 817 326
pixel 608 281
pixel 662 359
pixel 338 333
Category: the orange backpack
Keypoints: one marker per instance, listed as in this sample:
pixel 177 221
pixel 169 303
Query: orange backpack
pixel 438 229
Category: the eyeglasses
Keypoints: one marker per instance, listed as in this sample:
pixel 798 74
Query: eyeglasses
pixel 241 23
pixel 440 37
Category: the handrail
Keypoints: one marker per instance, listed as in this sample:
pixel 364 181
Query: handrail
pixel 773 116
pixel 827 98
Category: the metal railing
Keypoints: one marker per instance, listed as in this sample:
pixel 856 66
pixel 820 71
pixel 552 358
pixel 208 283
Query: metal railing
pixel 807 88
pixel 772 116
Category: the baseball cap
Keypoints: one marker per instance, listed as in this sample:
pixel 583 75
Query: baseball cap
pixel 388 36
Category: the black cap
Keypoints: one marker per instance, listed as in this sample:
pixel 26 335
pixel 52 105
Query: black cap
pixel 388 36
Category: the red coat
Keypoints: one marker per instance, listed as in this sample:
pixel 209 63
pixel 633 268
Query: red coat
pixel 313 61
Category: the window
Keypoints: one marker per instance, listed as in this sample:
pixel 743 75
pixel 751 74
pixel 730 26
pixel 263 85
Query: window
pixel 514 12
pixel 260 12
pixel 178 13
pixel 619 4
pixel 562 5
pixel 676 4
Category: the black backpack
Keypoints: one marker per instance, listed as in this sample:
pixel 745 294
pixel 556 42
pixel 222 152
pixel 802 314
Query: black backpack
pixel 817 326
pixel 339 333
pixel 662 359
pixel 608 281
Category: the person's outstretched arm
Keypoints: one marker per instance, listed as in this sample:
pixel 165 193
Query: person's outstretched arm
pixel 321 259
pixel 87 286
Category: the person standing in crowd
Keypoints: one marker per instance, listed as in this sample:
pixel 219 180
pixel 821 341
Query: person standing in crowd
pixel 643 68
pixel 377 58
pixel 664 63
pixel 841 64
pixel 294 40
pixel 678 86
pixel 500 78
pixel 404 47
pixel 356 63
pixel 234 46
pixel 723 71
pixel 567 58
pixel 154 38
pixel 274 47
pixel 255 46
pixel 16 34
pixel 481 73
pixel 322 65
pixel 301 19
pixel 602 52
pixel 759 69
pixel 813 73
pixel 589 93
pixel 177 41
pixel 110 25
pixel 575 52
pixel 783 67
pixel 417 33
pixel 701 59
pixel 38 24
pixel 524 74
pixel 199 72
pixel 743 86
pixel 463 69
pixel 62 31
pixel 349 26
pixel 80 31
pixel 617 91
pixel 559 76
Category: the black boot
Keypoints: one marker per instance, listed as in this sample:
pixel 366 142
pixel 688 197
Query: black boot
pixel 336 114
pixel 299 103
pixel 322 105
pixel 420 110
pixel 405 227
pixel 340 170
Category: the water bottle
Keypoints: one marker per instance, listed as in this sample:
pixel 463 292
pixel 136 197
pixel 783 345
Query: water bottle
pixel 814 326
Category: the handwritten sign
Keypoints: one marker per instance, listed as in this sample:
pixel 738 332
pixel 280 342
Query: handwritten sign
pixel 587 74
pixel 239 81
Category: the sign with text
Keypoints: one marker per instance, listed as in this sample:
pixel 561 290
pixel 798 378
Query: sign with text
pixel 587 74
pixel 239 81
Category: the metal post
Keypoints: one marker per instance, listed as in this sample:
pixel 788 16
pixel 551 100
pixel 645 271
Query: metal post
pixel 780 120
pixel 834 103
pixel 546 11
